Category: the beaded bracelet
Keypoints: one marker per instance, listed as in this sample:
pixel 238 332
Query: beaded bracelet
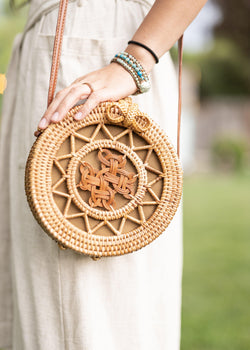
pixel 133 66
pixel 134 63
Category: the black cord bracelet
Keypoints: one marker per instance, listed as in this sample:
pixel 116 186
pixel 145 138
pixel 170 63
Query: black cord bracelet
pixel 145 47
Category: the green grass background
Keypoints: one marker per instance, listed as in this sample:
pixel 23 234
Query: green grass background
pixel 216 281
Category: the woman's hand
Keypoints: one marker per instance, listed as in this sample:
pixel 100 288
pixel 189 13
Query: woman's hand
pixel 109 83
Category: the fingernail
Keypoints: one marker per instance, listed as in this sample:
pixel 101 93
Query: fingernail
pixel 55 117
pixel 42 123
pixel 78 116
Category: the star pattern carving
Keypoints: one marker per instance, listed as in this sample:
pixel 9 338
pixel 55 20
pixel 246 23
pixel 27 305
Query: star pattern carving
pixel 158 176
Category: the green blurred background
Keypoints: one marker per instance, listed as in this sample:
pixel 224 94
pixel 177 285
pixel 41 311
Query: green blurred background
pixel 216 159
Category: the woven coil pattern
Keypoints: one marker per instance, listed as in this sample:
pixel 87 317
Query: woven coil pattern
pixel 42 190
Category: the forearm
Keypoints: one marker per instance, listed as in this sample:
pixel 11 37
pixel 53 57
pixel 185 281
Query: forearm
pixel 161 28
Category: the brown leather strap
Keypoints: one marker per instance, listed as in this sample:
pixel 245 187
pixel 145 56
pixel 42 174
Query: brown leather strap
pixel 57 49
pixel 180 54
pixel 56 59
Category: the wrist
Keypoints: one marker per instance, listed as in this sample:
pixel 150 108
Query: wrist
pixel 136 70
pixel 143 56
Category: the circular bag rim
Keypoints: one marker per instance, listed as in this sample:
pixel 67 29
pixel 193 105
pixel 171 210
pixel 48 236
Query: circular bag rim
pixel 38 189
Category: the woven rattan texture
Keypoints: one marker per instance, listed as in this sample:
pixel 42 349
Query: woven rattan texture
pixel 41 188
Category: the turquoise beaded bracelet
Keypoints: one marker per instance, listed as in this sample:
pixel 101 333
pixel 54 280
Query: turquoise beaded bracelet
pixel 133 66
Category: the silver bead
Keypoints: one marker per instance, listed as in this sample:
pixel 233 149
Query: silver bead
pixel 144 86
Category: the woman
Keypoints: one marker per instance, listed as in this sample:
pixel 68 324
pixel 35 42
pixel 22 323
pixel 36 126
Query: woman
pixel 53 299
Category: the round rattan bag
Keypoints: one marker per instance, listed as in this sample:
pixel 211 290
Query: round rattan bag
pixel 106 185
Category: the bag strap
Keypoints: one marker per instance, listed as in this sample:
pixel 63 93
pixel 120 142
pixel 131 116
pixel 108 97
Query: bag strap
pixel 180 55
pixel 56 59
pixel 57 49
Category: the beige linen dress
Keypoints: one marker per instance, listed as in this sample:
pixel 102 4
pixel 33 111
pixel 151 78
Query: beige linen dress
pixel 52 299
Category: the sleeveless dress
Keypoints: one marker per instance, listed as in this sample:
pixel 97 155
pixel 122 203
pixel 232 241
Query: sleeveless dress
pixel 54 299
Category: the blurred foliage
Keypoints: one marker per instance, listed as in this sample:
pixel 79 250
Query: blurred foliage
pixel 224 69
pixel 216 284
pixel 10 6
pixel 230 153
pixel 230 55
pixel 11 23
pixel 235 23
